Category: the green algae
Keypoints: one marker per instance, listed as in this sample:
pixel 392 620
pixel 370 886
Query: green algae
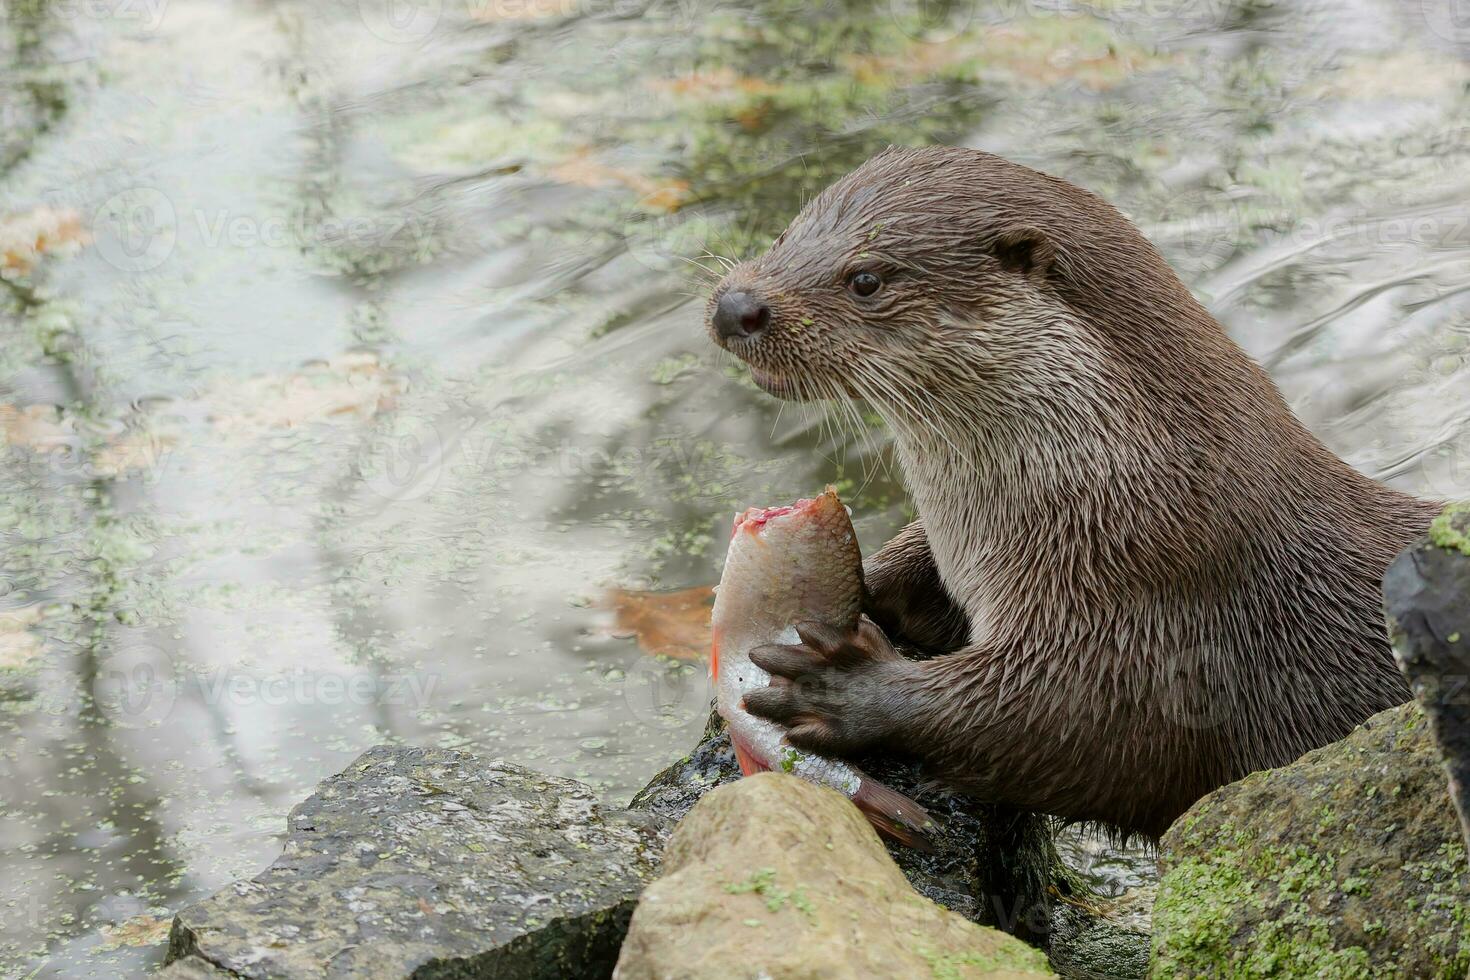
pixel 763 883
pixel 958 965
pixel 1348 890
pixel 1451 529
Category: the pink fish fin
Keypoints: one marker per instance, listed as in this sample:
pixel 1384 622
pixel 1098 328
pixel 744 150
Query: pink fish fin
pixel 895 815
pixel 749 764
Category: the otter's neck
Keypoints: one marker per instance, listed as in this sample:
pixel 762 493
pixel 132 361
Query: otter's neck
pixel 1085 484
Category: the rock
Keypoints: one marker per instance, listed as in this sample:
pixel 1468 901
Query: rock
pixel 673 792
pixel 991 864
pixel 1101 940
pixel 1346 863
pixel 191 968
pixel 1427 595
pixel 437 864
pixel 775 877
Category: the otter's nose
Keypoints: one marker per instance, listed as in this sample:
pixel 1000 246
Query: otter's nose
pixel 740 314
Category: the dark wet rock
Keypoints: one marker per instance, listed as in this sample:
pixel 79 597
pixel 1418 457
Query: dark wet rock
pixel 432 863
pixel 992 865
pixel 673 792
pixel 1103 940
pixel 775 877
pixel 1427 596
pixel 1346 863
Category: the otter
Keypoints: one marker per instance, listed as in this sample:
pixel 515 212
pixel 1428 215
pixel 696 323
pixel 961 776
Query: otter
pixel 1136 575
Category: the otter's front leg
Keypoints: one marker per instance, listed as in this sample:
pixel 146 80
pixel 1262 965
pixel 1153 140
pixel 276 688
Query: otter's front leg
pixel 844 693
pixel 906 597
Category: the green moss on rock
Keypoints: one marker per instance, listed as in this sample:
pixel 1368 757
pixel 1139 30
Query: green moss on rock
pixel 1345 864
pixel 1451 529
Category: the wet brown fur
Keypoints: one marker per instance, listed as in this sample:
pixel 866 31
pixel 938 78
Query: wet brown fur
pixel 1151 578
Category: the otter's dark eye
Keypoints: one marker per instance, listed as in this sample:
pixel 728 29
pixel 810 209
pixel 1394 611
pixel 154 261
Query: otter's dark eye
pixel 864 283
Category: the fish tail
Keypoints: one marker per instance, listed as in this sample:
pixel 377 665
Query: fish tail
pixel 750 764
pixel 894 814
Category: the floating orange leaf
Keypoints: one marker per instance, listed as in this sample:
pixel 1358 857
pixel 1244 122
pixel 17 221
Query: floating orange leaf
pixel 656 194
pixel 667 624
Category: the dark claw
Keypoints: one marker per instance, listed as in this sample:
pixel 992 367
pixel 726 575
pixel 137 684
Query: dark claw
pixel 820 637
pixel 814 736
pixel 785 661
pixel 778 704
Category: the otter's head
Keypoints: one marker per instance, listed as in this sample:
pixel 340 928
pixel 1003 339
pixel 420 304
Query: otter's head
pixel 939 273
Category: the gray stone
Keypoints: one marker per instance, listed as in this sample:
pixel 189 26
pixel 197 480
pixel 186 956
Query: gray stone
pixel 433 863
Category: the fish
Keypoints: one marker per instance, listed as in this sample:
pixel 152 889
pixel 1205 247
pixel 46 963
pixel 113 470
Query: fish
pixel 795 563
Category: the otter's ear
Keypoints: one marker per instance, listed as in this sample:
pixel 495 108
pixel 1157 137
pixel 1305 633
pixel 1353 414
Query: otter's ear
pixel 1024 250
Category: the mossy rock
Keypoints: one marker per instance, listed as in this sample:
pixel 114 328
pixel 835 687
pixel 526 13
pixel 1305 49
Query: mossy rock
pixel 771 876
pixel 991 864
pixel 1347 863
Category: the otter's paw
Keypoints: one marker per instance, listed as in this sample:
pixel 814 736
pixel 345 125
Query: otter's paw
pixel 839 693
